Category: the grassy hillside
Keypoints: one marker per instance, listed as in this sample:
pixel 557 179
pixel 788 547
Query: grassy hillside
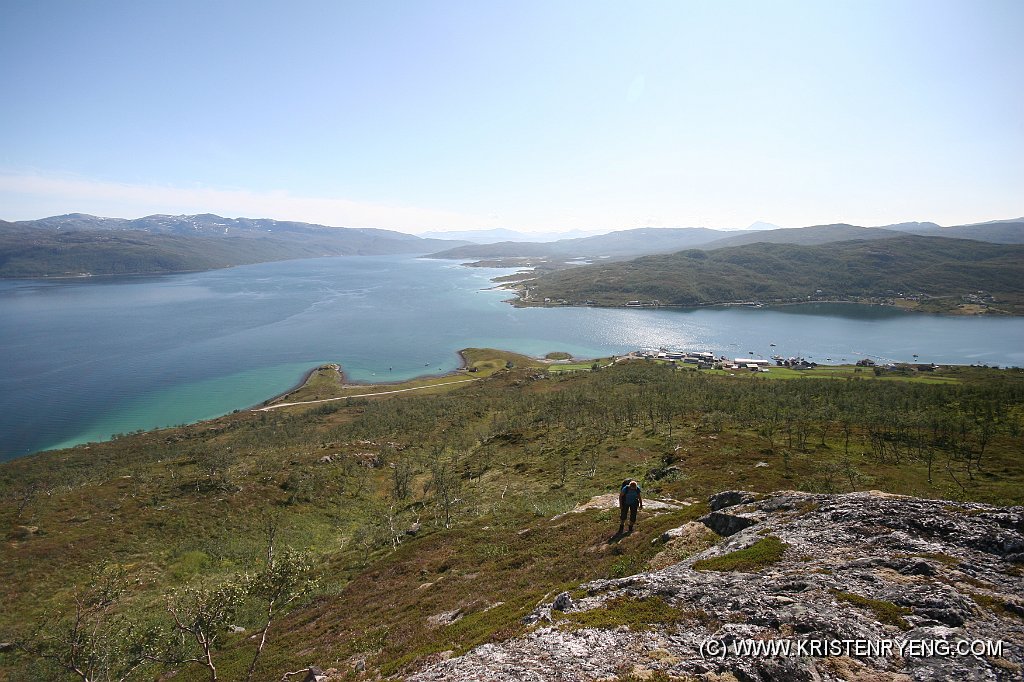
pixel 901 267
pixel 433 519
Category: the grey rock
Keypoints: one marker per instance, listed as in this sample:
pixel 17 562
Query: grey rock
pixel 314 674
pixel 563 602
pixel 541 614
pixel 444 618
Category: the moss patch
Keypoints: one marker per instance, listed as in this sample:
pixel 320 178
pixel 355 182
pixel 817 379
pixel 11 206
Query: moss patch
pixel 885 611
pixel 637 614
pixel 944 559
pixel 764 552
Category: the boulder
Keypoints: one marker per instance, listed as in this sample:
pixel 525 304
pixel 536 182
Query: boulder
pixel 314 674
pixel 726 524
pixel 730 498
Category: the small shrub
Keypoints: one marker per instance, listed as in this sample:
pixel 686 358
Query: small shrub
pixel 188 565
pixel 626 565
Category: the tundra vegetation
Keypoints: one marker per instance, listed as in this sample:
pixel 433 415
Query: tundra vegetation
pixel 374 533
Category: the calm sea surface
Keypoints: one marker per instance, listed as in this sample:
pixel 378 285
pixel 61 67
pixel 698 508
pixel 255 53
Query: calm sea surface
pixel 88 358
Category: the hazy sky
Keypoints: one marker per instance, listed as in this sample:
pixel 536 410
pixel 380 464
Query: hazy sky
pixel 527 115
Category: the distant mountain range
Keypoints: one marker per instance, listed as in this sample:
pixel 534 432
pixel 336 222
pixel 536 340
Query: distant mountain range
pixel 504 235
pixel 619 244
pixel 77 244
pixel 996 231
pixel 493 236
pixel 645 241
pixel 909 267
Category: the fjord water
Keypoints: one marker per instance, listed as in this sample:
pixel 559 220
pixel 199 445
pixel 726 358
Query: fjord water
pixel 88 358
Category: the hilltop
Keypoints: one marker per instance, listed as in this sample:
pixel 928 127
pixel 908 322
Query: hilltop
pixel 417 526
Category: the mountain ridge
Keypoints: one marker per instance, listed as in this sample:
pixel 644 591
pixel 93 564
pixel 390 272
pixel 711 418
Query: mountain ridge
pixel 639 241
pixel 620 243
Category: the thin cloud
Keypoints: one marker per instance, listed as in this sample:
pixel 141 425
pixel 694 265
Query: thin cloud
pixel 26 196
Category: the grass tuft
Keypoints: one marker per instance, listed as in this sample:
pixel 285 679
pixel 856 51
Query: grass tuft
pixel 885 611
pixel 636 614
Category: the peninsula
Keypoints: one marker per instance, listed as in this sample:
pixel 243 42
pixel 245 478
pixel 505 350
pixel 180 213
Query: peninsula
pixel 933 274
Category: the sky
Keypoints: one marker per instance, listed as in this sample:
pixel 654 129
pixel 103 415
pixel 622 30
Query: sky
pixel 533 116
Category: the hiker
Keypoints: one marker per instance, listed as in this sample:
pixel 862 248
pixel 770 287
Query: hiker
pixel 630 499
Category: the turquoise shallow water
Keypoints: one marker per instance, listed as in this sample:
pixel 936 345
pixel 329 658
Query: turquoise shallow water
pixel 88 358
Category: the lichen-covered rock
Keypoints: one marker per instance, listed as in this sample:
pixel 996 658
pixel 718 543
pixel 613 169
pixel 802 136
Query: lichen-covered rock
pixel 868 586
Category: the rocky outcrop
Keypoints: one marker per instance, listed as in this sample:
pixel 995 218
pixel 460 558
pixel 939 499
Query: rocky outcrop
pixel 730 498
pixel 864 586
pixel 726 524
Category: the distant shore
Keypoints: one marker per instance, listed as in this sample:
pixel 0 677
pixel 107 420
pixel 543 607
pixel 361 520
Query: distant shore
pixel 961 311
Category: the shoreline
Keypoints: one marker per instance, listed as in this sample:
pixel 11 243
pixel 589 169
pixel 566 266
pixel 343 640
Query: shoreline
pixel 267 405
pixel 302 382
pixel 519 302
pixel 463 365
